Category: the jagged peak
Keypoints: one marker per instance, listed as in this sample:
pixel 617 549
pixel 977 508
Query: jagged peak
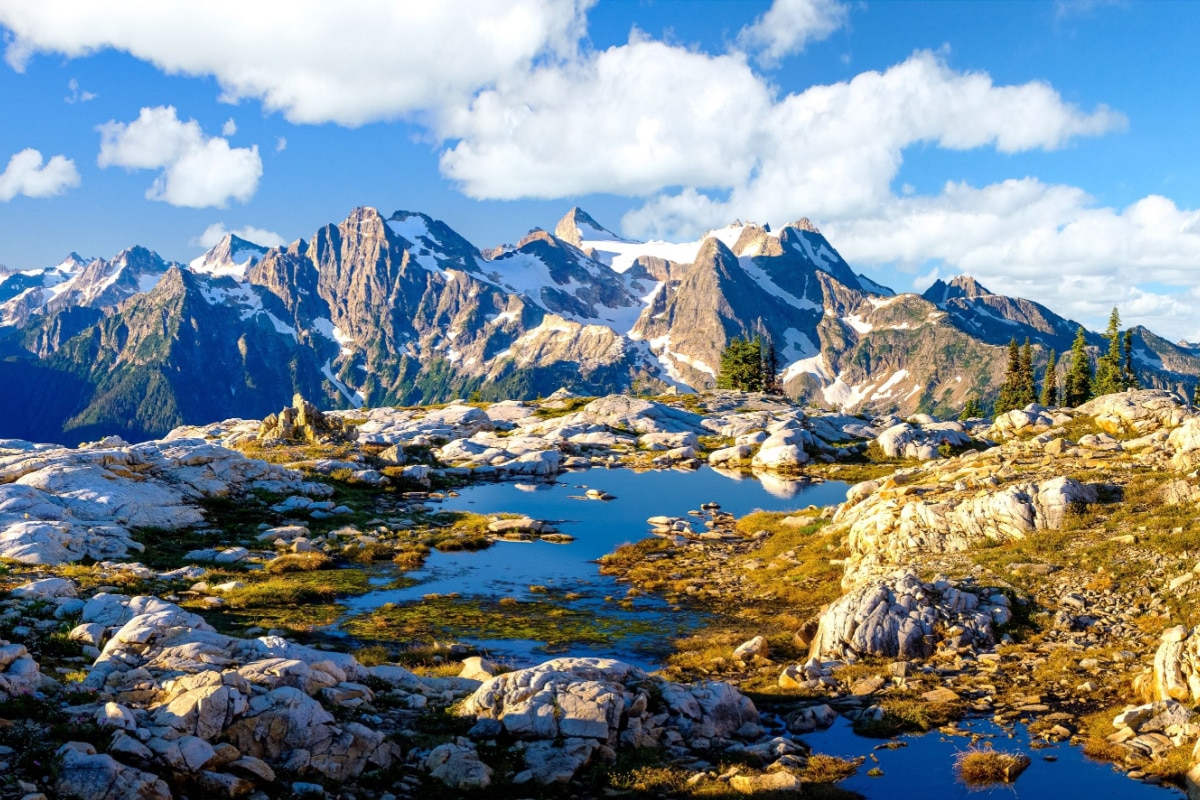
pixel 578 225
pixel 401 214
pixel 537 235
pixel 960 286
pixel 713 249
pixel 232 255
pixel 140 257
pixel 235 243
pixel 804 224
pixel 365 213
pixel 756 240
pixel 73 262
pixel 969 286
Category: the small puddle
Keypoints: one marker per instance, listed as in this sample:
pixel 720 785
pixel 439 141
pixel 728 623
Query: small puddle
pixel 508 569
pixel 924 767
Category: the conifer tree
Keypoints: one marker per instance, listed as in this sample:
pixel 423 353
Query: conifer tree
pixel 1026 392
pixel 1109 367
pixel 741 365
pixel 1129 378
pixel 1009 390
pixel 1077 386
pixel 972 409
pixel 1050 382
pixel 770 368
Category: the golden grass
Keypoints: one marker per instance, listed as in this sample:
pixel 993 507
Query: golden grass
pixel 298 562
pixel 978 767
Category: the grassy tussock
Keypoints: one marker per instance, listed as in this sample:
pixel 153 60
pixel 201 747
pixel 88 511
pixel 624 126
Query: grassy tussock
pixel 298 562
pixel 977 767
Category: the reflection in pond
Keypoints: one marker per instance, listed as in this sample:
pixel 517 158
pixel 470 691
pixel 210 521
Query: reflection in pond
pixel 924 767
pixel 566 574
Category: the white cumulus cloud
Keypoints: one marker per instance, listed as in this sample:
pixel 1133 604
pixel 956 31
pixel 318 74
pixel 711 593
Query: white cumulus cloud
pixel 788 25
pixel 351 62
pixel 27 175
pixel 198 171
pixel 216 232
pixel 1044 241
pixel 626 120
pixel 229 128
pixel 645 116
pixel 524 107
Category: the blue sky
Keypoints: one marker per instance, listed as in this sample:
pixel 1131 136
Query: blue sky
pixel 1045 147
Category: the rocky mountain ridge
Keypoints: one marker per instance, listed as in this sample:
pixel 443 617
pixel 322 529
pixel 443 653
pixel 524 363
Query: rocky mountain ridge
pixel 392 310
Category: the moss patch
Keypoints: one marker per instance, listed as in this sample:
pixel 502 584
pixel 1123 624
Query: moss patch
pixel 447 617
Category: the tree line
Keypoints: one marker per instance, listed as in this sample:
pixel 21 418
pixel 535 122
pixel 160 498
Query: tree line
pixel 750 364
pixel 1113 373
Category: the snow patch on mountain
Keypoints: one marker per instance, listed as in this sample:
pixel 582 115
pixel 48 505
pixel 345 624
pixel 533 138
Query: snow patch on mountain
pixel 759 276
pixel 796 345
pixel 333 333
pixel 856 322
pixel 354 398
pixel 885 391
pixel 843 395
pixel 814 365
pixel 415 230
pixel 282 327
pixel 821 256
pixel 670 360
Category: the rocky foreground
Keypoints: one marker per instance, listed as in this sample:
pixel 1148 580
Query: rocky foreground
pixel 1039 568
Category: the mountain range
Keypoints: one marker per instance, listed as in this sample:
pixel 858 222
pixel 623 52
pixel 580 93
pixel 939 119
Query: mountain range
pixel 402 310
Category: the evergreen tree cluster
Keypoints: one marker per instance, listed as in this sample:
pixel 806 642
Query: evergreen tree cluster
pixel 1113 373
pixel 971 410
pixel 1114 369
pixel 1018 389
pixel 749 365
pixel 1077 383
pixel 1050 382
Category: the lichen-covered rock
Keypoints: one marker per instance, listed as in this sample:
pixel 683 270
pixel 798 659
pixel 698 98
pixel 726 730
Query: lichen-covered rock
pixel 589 704
pixel 19 672
pixel 886 522
pixel 1184 443
pixel 46 589
pixel 786 449
pixel 730 455
pixel 64 504
pixel 1176 673
pixel 1137 412
pixel 899 616
pixel 751 648
pixel 549 762
pixel 1031 419
pixel 457 765
pixel 198 687
pixel 86 775
pixel 921 441
pixel 287 726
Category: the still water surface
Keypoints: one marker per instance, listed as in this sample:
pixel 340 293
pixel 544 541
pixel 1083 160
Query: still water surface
pixel 508 569
pixel 923 769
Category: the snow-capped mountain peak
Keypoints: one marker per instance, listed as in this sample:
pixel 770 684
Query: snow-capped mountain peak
pixel 233 256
